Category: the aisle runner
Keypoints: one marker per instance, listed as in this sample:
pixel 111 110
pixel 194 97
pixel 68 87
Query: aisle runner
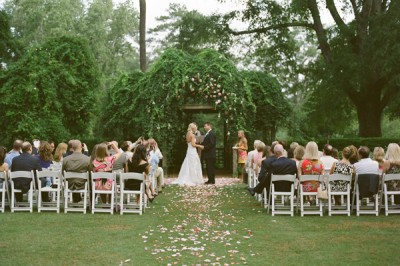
pixel 203 228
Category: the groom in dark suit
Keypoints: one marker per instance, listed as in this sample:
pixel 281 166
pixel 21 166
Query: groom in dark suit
pixel 208 153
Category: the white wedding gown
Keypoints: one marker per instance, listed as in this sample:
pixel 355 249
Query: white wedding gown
pixel 190 173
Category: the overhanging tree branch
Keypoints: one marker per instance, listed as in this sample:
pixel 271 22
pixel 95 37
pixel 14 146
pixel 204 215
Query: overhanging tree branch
pixel 319 30
pixel 330 4
pixel 355 10
pixel 272 27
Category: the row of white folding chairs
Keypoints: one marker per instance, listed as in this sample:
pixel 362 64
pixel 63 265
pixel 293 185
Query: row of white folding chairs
pixel 332 209
pixel 61 181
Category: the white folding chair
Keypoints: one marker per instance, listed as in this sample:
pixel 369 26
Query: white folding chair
pixel 3 190
pixel 385 194
pixel 103 207
pixel 290 194
pixel 301 194
pixel 22 206
pixel 368 208
pixel 75 207
pixel 56 189
pixel 131 207
pixel 339 209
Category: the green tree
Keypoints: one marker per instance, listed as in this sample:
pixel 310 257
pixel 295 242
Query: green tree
pixel 9 48
pixel 360 57
pixel 272 107
pixel 50 92
pixel 190 31
pixel 110 29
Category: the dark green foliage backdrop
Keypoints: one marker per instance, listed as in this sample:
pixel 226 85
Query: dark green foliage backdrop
pixel 50 93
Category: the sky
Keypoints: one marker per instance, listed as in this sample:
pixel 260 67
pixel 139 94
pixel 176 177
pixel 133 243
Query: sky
pixel 156 8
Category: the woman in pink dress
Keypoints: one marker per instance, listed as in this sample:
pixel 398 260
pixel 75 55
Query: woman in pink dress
pixel 104 163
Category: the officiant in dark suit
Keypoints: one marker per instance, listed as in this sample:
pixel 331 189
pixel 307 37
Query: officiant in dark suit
pixel 209 153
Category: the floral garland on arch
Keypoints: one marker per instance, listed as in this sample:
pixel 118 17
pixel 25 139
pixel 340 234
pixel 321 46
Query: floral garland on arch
pixel 210 89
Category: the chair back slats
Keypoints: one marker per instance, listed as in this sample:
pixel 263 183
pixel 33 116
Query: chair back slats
pixel 103 175
pixel 290 178
pixel 304 178
pixel 24 174
pixel 136 176
pixel 68 175
pixel 390 177
pixel 340 177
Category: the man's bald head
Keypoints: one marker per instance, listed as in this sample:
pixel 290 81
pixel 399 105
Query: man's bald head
pixel 278 150
pixel 76 145
pixel 26 147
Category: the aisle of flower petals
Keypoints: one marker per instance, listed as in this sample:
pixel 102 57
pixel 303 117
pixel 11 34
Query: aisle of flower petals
pixel 195 229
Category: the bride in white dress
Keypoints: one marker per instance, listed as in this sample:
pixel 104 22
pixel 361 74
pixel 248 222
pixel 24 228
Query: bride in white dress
pixel 190 173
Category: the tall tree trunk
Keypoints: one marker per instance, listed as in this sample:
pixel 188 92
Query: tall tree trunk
pixel 142 35
pixel 369 118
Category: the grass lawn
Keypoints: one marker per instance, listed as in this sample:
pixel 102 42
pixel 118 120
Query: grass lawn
pixel 206 225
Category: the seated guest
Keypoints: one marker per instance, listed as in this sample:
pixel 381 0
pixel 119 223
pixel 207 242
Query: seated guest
pixel 3 165
pixel 379 156
pixel 104 163
pixel 123 158
pixel 353 159
pixel 368 183
pixel 292 147
pixel 16 151
pixel 257 158
pixel 45 157
pixel 69 149
pixel 326 158
pixel 282 166
pixel 335 153
pixel 250 156
pixel 35 147
pixel 58 155
pixel 24 162
pixel 154 149
pixel 52 145
pixel 298 154
pixel 265 155
pixel 264 177
pixel 365 165
pixel 311 165
pixel 76 162
pixel 342 167
pixel 392 166
pixel 138 164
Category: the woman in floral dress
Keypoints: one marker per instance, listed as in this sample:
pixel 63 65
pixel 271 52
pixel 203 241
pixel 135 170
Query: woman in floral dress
pixel 311 165
pixel 342 167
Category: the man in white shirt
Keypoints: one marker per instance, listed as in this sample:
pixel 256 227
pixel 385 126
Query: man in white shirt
pixel 368 173
pixel 326 158
pixel 365 165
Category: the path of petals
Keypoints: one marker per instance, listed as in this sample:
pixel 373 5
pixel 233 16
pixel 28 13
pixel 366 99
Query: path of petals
pixel 201 231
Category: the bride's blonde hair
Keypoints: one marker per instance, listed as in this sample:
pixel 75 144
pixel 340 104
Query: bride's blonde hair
pixel 191 127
